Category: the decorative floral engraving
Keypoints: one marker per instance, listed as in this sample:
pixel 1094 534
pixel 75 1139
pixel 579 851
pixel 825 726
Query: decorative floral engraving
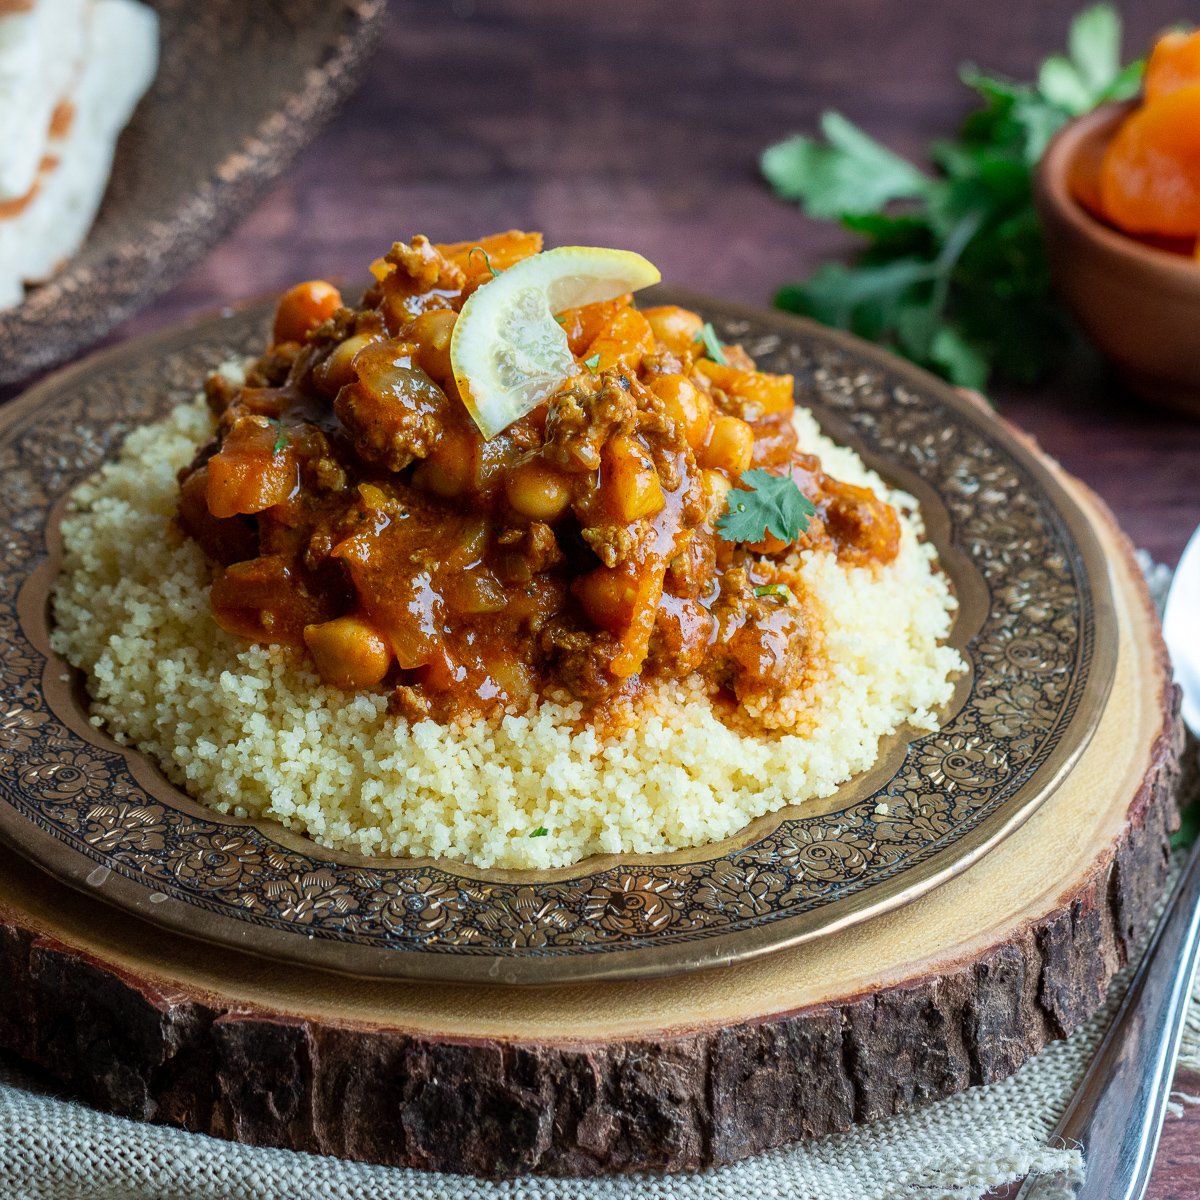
pixel 71 775
pixel 125 827
pixel 738 890
pixel 633 904
pixel 215 860
pixel 824 851
pixel 526 918
pixel 912 815
pixel 960 762
pixel 415 904
pixel 301 899
pixel 1031 650
pixel 18 727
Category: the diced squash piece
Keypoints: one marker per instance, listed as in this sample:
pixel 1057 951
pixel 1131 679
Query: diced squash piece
pixel 685 403
pixel 629 484
pixel 496 252
pixel 677 328
pixel 260 600
pixel 402 605
pixel 584 325
pixel 624 341
pixel 772 393
pixel 624 601
pixel 635 643
pixel 255 470
pixel 1174 63
pixel 1150 180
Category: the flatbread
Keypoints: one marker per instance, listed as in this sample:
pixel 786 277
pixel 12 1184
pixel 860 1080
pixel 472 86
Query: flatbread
pixel 41 56
pixel 120 60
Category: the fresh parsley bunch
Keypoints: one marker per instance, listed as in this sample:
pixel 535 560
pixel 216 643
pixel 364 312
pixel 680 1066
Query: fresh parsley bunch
pixel 953 274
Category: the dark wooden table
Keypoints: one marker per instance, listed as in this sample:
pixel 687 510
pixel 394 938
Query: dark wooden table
pixel 637 124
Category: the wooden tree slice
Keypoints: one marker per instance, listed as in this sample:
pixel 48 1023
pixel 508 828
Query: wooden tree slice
pixel 958 988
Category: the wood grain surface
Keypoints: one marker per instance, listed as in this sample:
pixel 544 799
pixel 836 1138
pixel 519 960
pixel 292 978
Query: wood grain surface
pixel 639 125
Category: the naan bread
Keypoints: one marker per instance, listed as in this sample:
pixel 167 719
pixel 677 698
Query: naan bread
pixel 120 60
pixel 41 55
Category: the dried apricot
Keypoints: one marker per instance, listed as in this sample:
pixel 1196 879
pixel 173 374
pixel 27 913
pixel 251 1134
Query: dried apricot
pixel 1174 63
pixel 1150 179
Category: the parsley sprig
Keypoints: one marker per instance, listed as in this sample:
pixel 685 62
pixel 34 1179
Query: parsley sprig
pixel 487 259
pixel 282 440
pixel 953 274
pixel 765 503
pixel 707 337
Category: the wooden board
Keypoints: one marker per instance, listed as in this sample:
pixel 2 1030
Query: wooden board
pixel 956 989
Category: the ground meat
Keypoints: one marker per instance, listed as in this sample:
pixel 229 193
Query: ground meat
pixel 760 651
pixel 424 265
pixel 391 425
pixel 529 552
pixel 580 420
pixel 611 544
pixel 273 368
pixel 579 659
pixel 410 703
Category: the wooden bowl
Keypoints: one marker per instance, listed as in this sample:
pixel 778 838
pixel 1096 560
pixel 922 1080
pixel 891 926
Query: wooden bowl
pixel 240 89
pixel 1140 304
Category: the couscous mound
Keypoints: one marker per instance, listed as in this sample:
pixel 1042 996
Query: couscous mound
pixel 251 729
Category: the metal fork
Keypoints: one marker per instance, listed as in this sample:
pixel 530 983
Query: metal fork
pixel 1116 1115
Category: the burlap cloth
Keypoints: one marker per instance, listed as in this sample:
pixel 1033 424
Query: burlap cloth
pixel 54 1149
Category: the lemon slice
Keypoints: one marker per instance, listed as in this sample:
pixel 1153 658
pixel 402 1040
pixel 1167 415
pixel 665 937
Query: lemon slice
pixel 508 353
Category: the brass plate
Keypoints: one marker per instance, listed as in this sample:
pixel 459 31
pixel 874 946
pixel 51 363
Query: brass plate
pixel 1036 624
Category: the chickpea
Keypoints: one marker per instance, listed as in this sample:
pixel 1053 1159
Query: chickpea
pixel 730 446
pixel 304 307
pixel 685 403
pixel 677 328
pixel 432 332
pixel 537 491
pixel 348 652
pixel 716 489
pixel 609 598
pixel 451 468
pixel 338 369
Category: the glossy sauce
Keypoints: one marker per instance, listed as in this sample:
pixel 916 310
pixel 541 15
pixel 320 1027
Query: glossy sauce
pixel 356 514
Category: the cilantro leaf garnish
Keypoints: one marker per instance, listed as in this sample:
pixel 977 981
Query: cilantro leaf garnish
pixel 712 344
pixel 953 272
pixel 593 362
pixel 775 591
pixel 765 504
pixel 540 831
